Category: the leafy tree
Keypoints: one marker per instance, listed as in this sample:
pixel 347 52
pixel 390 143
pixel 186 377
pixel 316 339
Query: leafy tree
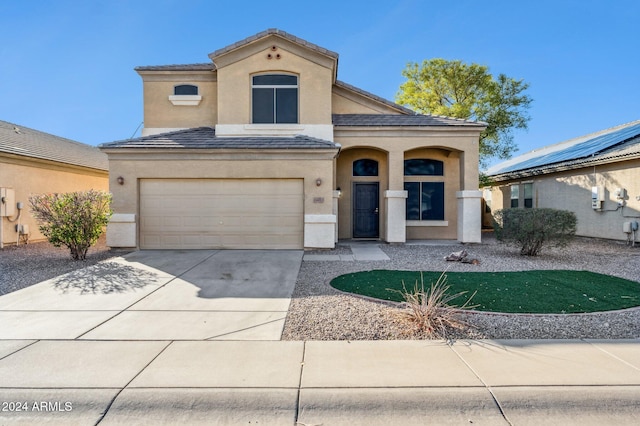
pixel 531 229
pixel 74 219
pixel 469 91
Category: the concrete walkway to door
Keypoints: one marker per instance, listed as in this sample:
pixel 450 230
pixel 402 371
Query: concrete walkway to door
pixel 160 295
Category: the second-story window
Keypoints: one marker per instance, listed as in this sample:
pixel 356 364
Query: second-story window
pixel 274 98
pixel 185 89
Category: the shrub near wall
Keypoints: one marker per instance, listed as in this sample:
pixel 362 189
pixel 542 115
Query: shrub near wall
pixel 74 219
pixel 531 229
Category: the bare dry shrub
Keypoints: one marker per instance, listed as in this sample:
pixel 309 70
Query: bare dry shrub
pixel 429 311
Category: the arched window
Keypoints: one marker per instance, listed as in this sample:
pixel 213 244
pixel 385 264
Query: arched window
pixel 423 167
pixel 275 98
pixel 185 89
pixel 365 167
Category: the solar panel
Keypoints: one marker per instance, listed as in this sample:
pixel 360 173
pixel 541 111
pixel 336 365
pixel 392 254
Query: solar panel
pixel 576 151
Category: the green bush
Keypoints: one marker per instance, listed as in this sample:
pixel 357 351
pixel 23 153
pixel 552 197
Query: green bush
pixel 75 219
pixel 531 229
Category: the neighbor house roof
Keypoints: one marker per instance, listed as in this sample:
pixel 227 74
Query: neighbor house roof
pixel 612 144
pixel 26 142
pixel 207 66
pixel 280 33
pixel 416 120
pixel 205 138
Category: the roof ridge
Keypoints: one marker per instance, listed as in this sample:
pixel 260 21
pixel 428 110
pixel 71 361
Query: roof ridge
pixel 21 127
pixel 268 32
pixel 584 137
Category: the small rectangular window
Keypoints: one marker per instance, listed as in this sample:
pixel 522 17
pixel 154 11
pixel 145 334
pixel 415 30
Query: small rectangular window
pixel 515 195
pixel 528 195
pixel 185 89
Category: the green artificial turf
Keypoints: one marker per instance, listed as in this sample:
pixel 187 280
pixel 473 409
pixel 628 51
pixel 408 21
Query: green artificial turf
pixel 551 292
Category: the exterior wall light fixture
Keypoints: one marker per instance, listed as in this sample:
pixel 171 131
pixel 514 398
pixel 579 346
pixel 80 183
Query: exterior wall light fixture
pixel 120 180
pixel 318 182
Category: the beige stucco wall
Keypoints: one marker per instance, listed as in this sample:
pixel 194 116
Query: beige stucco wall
pixel 29 177
pixel 234 78
pixel 390 147
pixel 250 165
pixel 571 190
pixel 159 111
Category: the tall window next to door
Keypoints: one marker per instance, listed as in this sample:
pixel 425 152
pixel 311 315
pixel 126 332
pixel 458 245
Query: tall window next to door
pixel 275 98
pixel 425 189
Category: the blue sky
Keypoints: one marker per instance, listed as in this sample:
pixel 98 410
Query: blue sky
pixel 67 66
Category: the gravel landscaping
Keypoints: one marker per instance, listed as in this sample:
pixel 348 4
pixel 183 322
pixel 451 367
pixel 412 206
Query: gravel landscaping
pixel 28 264
pixel 319 312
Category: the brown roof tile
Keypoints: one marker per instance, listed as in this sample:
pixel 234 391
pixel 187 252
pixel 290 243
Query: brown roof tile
pixel 20 140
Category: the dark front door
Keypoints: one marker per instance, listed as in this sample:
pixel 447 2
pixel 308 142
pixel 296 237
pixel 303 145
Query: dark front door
pixel 365 210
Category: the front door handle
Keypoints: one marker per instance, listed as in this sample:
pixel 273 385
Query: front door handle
pixel 375 211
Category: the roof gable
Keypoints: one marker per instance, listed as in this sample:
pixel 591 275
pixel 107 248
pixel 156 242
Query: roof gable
pixel 23 141
pixel 275 37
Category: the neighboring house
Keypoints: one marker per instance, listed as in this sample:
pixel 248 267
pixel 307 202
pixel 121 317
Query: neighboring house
pixel 596 176
pixel 33 162
pixel 264 148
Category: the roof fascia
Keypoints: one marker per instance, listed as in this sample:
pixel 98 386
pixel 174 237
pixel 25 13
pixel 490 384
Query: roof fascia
pixel 158 154
pixel 28 161
pixel 178 75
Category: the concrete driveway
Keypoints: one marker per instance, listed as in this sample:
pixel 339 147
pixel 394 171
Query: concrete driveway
pixel 160 295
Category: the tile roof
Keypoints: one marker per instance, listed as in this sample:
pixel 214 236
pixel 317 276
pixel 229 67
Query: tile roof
pixel 416 120
pixel 619 141
pixel 205 138
pixel 273 31
pixel 207 66
pixel 20 140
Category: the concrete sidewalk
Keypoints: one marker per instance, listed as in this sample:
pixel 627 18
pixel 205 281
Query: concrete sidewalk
pixel 88 382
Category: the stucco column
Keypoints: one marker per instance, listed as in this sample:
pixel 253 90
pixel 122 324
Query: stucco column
pixel 469 216
pixel 396 226
pixel 121 230
pixel 395 200
pixel 336 197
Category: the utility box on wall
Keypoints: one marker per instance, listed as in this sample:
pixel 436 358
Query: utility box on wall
pixel 597 197
pixel 7 202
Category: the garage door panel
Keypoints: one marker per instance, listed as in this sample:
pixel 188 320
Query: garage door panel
pixel 220 213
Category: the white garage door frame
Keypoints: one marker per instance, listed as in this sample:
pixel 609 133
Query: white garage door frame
pixel 221 213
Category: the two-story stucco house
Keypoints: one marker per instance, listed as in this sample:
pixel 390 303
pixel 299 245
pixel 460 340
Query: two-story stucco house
pixel 264 148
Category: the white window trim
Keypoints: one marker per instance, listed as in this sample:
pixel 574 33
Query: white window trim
pixel 185 100
pixel 425 223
